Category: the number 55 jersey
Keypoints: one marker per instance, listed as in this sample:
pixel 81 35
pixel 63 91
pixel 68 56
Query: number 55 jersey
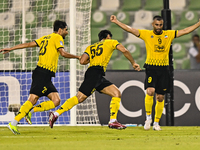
pixel 101 52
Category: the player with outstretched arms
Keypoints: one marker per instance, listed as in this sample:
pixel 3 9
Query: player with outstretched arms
pixel 98 55
pixel 51 46
pixel 157 42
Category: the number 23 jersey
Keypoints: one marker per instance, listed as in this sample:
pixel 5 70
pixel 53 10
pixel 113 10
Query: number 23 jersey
pixel 101 52
pixel 49 54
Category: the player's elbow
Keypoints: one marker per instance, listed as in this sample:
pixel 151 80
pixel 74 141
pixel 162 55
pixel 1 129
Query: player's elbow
pixel 83 62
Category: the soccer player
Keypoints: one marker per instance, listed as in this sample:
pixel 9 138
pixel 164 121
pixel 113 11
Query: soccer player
pixel 156 66
pixel 51 46
pixel 98 55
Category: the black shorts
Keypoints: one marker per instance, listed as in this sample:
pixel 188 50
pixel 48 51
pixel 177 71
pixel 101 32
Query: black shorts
pixel 41 83
pixel 159 79
pixel 94 80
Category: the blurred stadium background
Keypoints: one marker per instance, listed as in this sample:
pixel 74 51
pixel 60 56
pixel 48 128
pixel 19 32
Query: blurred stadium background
pixel 137 13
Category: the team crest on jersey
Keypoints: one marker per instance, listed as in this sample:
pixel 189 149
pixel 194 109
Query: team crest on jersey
pixel 61 43
pixel 152 36
pixel 166 36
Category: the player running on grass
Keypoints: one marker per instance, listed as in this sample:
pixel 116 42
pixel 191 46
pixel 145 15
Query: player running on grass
pixel 51 46
pixel 98 55
pixel 158 42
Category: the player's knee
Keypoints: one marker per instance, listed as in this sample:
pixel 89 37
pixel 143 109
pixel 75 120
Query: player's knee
pixel 150 91
pixel 56 102
pixel 117 93
pixel 160 98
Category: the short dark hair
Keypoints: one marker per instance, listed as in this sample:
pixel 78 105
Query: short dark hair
pixel 59 24
pixel 157 18
pixel 103 34
pixel 195 35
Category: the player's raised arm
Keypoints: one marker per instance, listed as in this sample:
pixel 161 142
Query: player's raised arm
pixel 65 54
pixel 19 46
pixel 127 54
pixel 188 29
pixel 127 28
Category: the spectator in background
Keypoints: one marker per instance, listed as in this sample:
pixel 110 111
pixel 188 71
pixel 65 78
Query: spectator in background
pixel 194 53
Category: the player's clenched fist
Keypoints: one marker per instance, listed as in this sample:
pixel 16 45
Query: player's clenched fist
pixel 113 18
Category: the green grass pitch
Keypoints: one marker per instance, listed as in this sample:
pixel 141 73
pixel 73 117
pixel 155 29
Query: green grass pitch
pixel 100 138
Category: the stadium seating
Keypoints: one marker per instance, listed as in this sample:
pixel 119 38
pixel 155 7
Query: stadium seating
pixel 109 5
pixel 183 39
pixel 114 55
pixel 5 37
pixel 141 62
pixel 18 36
pixel 132 38
pixel 60 7
pixel 31 19
pixel 123 17
pixel 15 56
pixel 120 64
pixel 179 50
pixel 17 5
pixel 131 5
pixel 94 35
pixel 188 18
pixel 43 5
pixel 49 19
pixel 98 19
pixel 177 4
pixel 95 5
pixel 4 5
pixel 134 49
pixel 185 64
pixel 7 20
pixel 43 31
pixel 153 5
pixel 30 65
pixel 194 5
pixel 118 33
pixel 143 18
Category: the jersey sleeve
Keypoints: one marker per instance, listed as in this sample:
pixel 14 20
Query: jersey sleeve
pixel 38 41
pixel 59 42
pixel 115 43
pixel 87 51
pixel 142 34
pixel 173 33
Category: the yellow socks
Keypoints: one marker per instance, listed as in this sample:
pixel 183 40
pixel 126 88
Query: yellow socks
pixel 158 110
pixel 44 106
pixel 114 107
pixel 71 102
pixel 148 104
pixel 24 110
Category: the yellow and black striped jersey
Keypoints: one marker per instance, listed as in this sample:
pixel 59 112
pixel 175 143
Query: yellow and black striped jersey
pixel 157 46
pixel 101 52
pixel 49 54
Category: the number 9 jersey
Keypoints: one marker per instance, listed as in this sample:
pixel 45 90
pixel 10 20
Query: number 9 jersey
pixel 101 52
pixel 49 54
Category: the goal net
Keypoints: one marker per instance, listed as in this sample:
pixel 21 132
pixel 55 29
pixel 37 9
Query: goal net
pixel 24 21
